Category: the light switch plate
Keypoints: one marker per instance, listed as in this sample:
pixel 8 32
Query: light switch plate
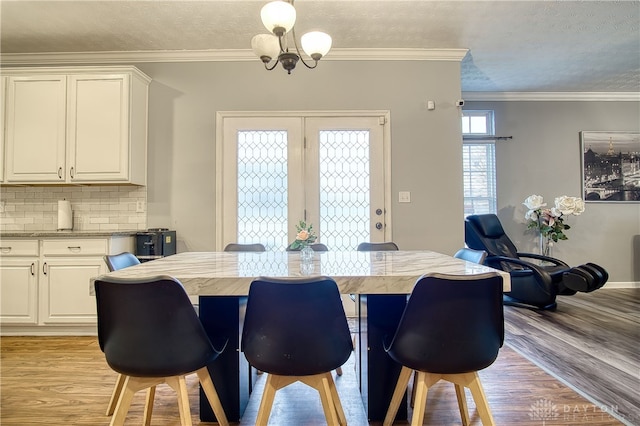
pixel 404 197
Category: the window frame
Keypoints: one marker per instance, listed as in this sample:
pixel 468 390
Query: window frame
pixel 474 137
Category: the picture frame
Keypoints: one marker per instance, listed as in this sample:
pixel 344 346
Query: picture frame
pixel 610 166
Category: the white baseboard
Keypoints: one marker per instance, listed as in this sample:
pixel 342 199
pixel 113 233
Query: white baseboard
pixel 621 284
pixel 79 330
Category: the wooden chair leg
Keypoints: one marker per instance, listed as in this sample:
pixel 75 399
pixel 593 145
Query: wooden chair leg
pixel 148 406
pixel 130 387
pixel 462 405
pixel 337 403
pixel 320 383
pixel 420 388
pixel 179 385
pixel 274 382
pixel 115 395
pixel 472 381
pixel 413 389
pixel 480 399
pixel 398 393
pixel 212 396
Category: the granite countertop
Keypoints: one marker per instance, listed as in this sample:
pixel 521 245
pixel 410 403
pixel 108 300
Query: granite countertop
pixel 66 234
pixel 231 273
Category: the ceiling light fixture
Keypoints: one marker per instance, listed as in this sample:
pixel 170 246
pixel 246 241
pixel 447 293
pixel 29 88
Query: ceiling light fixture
pixel 279 17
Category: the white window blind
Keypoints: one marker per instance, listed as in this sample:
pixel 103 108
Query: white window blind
pixel 479 165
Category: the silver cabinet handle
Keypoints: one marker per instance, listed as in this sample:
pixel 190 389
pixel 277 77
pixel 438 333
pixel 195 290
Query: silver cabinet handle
pixel 72 172
pixel 33 268
pixel 6 249
pixel 59 172
pixel 44 268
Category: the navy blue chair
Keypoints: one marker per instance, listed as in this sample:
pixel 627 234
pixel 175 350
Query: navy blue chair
pixel 385 246
pixel 471 255
pixel 115 262
pixel 296 330
pixel 452 326
pixel 119 261
pixel 150 334
pixel 257 247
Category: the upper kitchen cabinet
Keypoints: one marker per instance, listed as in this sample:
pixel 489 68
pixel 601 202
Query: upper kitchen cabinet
pixel 3 97
pixel 76 125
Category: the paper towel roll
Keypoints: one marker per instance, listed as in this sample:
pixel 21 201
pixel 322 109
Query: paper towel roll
pixel 65 216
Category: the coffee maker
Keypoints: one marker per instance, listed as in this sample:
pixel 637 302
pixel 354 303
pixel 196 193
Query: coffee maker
pixel 155 243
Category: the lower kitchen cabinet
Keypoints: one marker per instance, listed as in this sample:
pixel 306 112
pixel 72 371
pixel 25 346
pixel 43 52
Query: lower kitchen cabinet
pixel 45 283
pixel 19 291
pixel 64 291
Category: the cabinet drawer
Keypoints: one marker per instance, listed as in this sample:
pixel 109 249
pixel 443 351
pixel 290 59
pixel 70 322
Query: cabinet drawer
pixel 19 248
pixel 72 247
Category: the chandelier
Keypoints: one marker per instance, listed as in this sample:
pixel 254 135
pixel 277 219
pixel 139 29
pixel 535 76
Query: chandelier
pixel 279 17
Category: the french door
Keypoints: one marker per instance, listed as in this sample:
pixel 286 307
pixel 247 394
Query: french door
pixel 328 170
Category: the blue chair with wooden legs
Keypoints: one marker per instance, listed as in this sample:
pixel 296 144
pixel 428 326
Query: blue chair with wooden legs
pixel 150 334
pixel 116 262
pixel 296 330
pixel 452 326
pixel 252 247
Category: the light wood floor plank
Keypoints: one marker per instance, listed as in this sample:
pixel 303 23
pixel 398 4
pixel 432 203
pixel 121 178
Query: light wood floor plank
pixel 65 380
pixel 590 342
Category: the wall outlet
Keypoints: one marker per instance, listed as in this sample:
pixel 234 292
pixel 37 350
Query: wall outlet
pixel 140 206
pixel 404 197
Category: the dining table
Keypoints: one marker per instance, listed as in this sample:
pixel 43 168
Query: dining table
pixel 380 282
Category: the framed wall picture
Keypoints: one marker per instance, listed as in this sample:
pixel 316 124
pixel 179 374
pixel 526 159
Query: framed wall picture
pixel 610 166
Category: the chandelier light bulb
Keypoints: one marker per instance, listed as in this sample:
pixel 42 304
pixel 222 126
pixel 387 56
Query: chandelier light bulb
pixel 266 47
pixel 316 44
pixel 278 17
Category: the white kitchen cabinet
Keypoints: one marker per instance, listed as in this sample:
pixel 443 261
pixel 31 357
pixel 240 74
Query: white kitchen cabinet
pixel 45 283
pixel 3 98
pixel 19 282
pixel 64 290
pixel 76 125
pixel 67 268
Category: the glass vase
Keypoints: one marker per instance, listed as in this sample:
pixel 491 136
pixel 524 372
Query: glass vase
pixel 306 254
pixel 545 245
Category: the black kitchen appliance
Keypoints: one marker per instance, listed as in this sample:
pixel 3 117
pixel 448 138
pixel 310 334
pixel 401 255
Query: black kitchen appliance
pixel 155 243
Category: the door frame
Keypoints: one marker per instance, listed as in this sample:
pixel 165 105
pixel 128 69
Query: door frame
pixel 383 116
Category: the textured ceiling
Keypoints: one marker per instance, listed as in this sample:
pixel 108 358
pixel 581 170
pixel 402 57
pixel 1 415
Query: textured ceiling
pixel 514 46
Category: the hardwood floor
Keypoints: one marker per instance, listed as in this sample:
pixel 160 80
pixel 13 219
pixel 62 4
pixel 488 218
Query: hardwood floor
pixel 590 343
pixel 65 380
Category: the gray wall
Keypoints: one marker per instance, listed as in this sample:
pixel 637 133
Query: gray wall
pixel 544 158
pixel 425 145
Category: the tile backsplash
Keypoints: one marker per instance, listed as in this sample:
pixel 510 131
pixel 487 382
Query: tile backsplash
pixel 95 208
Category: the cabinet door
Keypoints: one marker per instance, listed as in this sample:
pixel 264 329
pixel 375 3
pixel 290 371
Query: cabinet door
pixel 64 290
pixel 18 291
pixel 98 129
pixel 3 100
pixel 35 128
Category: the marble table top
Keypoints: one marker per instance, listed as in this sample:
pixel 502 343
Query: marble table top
pixel 231 273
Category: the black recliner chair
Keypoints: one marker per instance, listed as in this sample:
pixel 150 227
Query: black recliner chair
pixel 533 284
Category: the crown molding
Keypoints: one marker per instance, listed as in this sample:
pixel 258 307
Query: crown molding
pixel 552 96
pixel 221 55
